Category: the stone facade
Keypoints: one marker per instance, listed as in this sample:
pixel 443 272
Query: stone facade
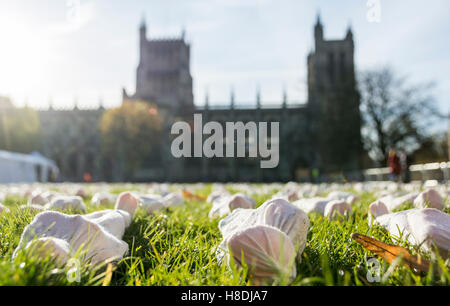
pixel 72 139
pixel 334 103
pixel 163 74
pixel 323 133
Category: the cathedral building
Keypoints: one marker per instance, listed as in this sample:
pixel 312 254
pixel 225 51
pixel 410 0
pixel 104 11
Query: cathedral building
pixel 322 135
pixel 163 74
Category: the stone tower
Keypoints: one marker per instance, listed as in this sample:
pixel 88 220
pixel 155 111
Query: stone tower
pixel 163 74
pixel 164 79
pixel 334 103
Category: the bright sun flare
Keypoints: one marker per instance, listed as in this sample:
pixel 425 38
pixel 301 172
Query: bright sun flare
pixel 24 55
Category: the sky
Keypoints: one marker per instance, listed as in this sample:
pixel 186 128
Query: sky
pixel 86 51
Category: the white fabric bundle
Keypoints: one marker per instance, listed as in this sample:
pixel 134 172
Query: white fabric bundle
pixel 286 217
pixel 103 199
pixel 225 205
pixel 114 221
pixel 312 205
pixel 151 202
pixel 49 195
pixel 27 193
pixel 423 227
pixel 376 209
pixel 238 219
pixel 429 198
pixel 337 208
pixel 393 202
pixel 98 235
pixel 66 202
pixel 348 197
pixel 80 234
pixel 56 248
pixel 271 218
pixel 268 252
pixel 325 206
pixel 172 200
pixel 276 213
pixel 128 202
pixel 215 195
pixel 154 202
pixel 38 199
pixel 81 192
pixel 288 195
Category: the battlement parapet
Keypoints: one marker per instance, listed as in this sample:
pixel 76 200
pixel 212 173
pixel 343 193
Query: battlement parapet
pixel 249 106
pixel 70 109
pixel 166 40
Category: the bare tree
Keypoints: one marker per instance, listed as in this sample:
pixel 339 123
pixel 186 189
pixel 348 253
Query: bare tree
pixel 395 113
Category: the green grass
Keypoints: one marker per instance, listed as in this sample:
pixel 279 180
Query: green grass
pixel 179 247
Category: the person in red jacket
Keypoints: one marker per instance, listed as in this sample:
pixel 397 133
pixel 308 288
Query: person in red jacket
pixel 87 177
pixel 395 166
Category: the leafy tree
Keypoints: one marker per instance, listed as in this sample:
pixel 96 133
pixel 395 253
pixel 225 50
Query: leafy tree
pixel 129 134
pixel 20 128
pixel 395 113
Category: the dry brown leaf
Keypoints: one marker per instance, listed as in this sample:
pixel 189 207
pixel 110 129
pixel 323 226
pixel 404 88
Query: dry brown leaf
pixel 190 195
pixel 390 252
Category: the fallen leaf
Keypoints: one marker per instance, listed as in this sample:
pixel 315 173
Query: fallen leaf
pixel 390 252
pixel 190 195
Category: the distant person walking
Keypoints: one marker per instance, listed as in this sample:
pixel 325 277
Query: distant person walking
pixel 395 167
pixel 402 155
pixel 87 177
pixel 408 163
pixel 405 162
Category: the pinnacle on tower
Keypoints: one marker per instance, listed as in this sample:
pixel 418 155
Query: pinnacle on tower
pixel 143 25
pixel 284 97
pixel 318 29
pixel 258 97
pixel 143 28
pixel 232 97
pixel 349 31
pixel 207 99
pixel 319 22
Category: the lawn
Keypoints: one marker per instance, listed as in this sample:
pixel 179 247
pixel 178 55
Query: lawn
pixel 178 246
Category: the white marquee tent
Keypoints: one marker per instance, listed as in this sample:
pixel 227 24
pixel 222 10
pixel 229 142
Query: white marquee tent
pixel 26 168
